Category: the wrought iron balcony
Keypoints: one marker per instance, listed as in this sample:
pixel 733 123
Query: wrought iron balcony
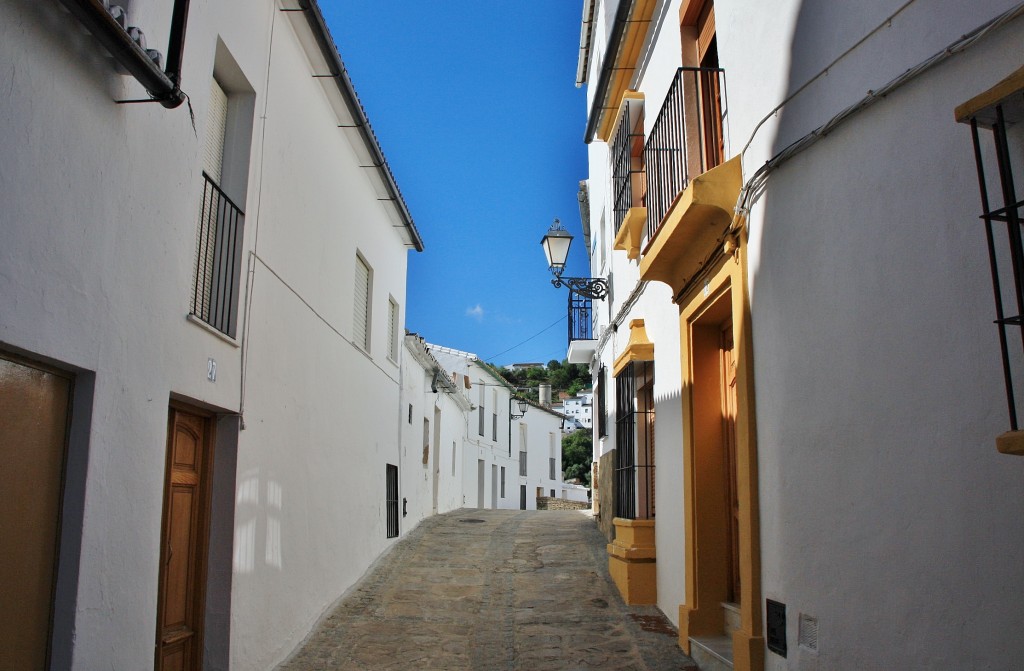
pixel 627 148
pixel 217 259
pixel 687 139
pixel 582 342
pixel 581 324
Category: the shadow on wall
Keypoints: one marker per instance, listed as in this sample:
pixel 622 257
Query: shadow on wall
pixel 869 285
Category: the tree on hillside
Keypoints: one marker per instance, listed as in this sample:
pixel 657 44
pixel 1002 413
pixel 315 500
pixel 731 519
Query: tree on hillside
pixel 577 455
pixel 563 376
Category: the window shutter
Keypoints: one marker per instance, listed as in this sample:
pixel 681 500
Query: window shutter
pixel 361 328
pixel 216 126
pixel 393 330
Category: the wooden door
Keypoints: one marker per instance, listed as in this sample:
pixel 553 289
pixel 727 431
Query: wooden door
pixel 729 401
pixel 34 404
pixel 181 601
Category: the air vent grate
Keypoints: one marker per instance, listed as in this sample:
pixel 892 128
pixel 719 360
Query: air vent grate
pixel 807 633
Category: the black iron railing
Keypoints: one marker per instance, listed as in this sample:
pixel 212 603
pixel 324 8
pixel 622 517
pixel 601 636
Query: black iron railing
pixel 581 322
pixel 627 162
pixel 685 141
pixel 1002 208
pixel 634 442
pixel 218 255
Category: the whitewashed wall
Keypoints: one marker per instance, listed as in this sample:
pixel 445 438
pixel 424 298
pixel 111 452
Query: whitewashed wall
pixel 885 510
pixel 98 224
pixel 100 203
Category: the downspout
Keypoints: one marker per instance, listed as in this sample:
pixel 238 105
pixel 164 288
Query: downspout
pixel 607 67
pixel 162 86
pixel 176 41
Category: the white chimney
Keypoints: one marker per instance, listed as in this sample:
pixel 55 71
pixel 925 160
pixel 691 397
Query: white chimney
pixel 545 394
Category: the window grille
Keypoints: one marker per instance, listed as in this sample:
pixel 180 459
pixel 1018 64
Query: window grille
pixel 602 404
pixel 217 259
pixel 634 441
pixel 551 468
pixel 1002 211
pixel 391 503
pixel 502 482
pixel 522 463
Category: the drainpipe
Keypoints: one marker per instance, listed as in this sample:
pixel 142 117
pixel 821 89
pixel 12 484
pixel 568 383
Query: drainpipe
pixel 608 67
pixel 176 41
pixel 162 86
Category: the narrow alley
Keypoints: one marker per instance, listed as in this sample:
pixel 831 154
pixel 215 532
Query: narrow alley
pixel 488 590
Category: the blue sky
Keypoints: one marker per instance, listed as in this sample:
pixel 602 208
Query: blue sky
pixel 475 107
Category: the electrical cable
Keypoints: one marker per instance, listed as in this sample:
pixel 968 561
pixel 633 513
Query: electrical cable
pixel 824 71
pixel 547 328
pixel 755 185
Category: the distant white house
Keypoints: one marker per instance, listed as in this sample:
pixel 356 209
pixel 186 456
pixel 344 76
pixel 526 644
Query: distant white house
pixel 509 457
pixel 580 408
pixel 571 492
pixel 433 415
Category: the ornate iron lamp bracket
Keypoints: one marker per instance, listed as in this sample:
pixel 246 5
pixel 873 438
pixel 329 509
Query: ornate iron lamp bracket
pixel 591 287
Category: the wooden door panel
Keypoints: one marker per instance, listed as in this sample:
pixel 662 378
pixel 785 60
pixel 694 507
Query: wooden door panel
pixel 34 406
pixel 186 516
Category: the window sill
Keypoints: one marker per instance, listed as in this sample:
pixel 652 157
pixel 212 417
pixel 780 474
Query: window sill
pixel 1011 442
pixel 209 329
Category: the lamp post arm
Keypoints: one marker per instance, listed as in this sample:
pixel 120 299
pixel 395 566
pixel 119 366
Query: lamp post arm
pixel 591 287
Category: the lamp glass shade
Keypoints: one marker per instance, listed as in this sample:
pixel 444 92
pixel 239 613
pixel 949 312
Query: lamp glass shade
pixel 523 405
pixel 556 247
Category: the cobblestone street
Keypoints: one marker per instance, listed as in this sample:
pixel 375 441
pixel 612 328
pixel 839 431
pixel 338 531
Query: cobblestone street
pixel 488 590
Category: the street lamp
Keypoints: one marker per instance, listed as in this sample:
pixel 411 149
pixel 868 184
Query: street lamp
pixel 523 404
pixel 556 244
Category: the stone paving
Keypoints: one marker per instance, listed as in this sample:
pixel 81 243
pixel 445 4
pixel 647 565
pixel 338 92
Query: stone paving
pixel 491 590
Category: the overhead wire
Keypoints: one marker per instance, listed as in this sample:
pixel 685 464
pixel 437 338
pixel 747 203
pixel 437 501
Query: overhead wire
pixel 546 328
pixel 755 185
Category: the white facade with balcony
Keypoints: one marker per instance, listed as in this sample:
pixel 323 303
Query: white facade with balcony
pixel 830 266
pixel 204 364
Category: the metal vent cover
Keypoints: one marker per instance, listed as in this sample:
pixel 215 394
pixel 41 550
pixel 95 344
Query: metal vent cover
pixel 807 632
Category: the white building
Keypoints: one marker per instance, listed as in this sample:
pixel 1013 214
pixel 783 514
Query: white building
pixel 434 432
pixel 221 485
pixel 580 408
pixel 801 320
pixel 510 457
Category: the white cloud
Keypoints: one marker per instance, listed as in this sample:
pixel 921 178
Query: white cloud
pixel 476 312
